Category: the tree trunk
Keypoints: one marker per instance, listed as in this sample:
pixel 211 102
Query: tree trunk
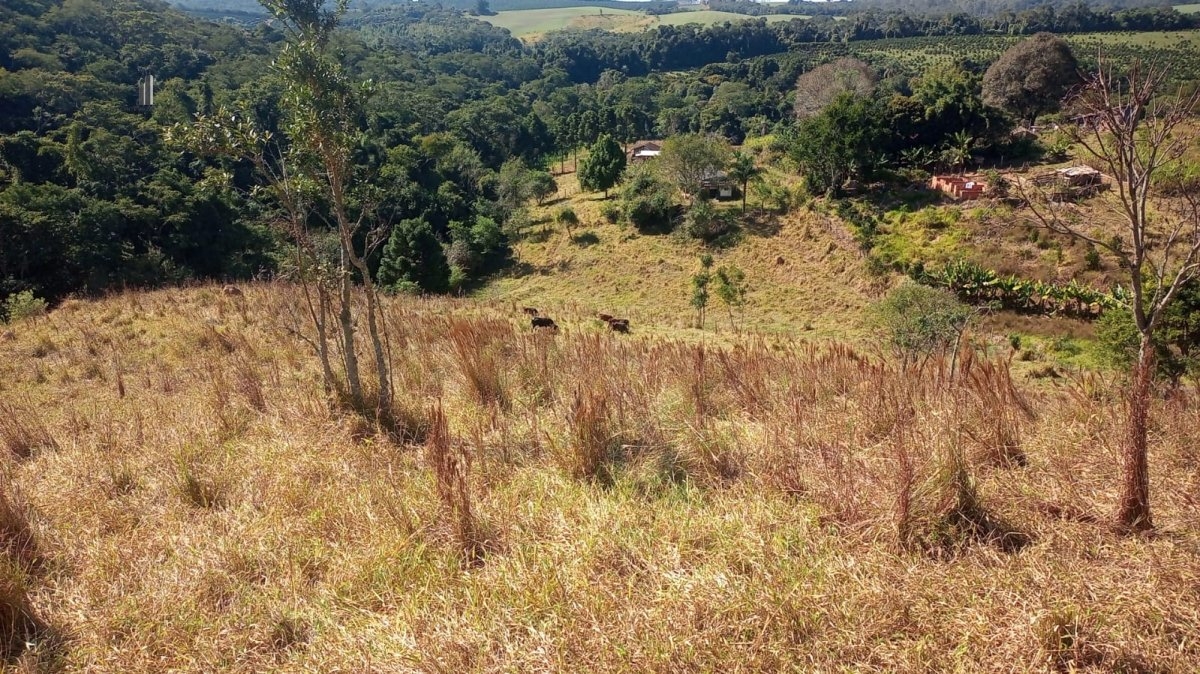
pixel 320 319
pixel 346 231
pixel 346 318
pixel 1134 511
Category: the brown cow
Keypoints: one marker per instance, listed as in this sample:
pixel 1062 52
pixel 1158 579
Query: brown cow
pixel 605 317
pixel 529 311
pixel 232 291
pixel 543 322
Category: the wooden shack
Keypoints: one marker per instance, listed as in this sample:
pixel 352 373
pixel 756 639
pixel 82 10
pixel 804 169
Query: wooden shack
pixel 1070 183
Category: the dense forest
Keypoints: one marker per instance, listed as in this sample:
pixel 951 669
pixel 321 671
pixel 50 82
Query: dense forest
pixel 461 123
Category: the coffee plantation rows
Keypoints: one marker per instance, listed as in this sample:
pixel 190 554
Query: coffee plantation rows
pixel 1178 50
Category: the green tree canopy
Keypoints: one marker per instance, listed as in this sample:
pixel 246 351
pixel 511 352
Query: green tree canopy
pixel 603 166
pixel 842 142
pixel 1032 77
pixel 689 159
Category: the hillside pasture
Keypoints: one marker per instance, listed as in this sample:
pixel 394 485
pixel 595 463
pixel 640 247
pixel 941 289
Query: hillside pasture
pixel 637 503
pixel 532 22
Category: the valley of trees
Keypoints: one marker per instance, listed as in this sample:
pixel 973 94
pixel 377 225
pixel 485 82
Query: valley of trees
pixel 458 129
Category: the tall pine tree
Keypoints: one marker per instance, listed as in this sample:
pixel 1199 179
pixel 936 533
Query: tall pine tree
pixel 413 255
pixel 603 166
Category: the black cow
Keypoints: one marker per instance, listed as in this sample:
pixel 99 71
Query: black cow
pixel 543 322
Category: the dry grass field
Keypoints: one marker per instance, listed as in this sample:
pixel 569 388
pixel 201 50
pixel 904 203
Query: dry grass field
pixel 177 495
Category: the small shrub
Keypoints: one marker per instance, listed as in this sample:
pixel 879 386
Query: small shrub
pixel 706 222
pixel 920 321
pixel 24 305
pixel 1092 258
pixel 611 212
pixel 997 185
pixel 647 200
pixel 567 218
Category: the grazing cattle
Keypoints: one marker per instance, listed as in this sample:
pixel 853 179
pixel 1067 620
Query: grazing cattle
pixel 619 325
pixel 232 291
pixel 529 311
pixel 543 322
pixel 605 317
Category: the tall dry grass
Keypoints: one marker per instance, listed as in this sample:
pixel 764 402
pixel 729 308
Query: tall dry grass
pixel 22 431
pixel 763 505
pixel 451 466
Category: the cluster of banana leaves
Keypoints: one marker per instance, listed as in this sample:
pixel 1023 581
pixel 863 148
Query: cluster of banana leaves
pixel 976 285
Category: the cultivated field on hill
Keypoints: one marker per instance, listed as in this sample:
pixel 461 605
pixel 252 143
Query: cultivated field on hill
pixel 182 498
pixel 532 23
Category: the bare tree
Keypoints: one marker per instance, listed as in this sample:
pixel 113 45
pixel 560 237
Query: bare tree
pixel 1136 131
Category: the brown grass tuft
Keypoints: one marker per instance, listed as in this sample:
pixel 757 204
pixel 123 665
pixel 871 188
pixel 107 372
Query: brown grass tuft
pixel 589 452
pixel 17 540
pixel 451 467
pixel 22 432
pixel 475 346
pixel 199 485
pixel 19 623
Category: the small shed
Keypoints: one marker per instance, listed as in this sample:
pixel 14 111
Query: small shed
pixel 643 150
pixel 718 185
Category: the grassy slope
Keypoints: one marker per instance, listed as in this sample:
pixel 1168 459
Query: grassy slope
pixel 1188 9
pixel 820 286
pixel 201 510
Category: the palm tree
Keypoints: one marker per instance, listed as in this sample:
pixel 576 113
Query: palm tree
pixel 743 171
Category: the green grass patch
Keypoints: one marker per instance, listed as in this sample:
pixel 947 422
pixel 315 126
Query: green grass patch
pixel 930 235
